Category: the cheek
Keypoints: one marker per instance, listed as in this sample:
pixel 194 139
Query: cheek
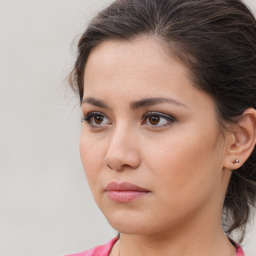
pixel 91 157
pixel 184 167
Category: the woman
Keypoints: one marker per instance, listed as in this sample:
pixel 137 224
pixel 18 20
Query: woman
pixel 168 94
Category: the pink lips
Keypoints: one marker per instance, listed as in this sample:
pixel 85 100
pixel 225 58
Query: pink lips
pixel 124 192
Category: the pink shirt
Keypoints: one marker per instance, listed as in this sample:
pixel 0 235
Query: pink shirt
pixel 104 250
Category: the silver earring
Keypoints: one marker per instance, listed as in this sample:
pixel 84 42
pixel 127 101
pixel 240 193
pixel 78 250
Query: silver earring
pixel 236 161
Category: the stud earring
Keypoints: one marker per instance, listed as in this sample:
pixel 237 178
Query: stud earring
pixel 236 161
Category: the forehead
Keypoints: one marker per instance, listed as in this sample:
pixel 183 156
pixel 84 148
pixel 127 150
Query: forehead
pixel 138 69
pixel 144 48
pixel 139 61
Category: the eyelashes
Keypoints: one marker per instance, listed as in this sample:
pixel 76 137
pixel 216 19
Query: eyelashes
pixel 157 119
pixel 151 119
pixel 96 119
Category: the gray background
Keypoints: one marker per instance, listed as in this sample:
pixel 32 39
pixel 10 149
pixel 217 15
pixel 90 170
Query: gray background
pixel 46 206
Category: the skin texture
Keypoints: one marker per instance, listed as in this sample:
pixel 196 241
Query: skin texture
pixel 180 162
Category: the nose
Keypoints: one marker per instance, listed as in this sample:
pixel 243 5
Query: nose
pixel 123 151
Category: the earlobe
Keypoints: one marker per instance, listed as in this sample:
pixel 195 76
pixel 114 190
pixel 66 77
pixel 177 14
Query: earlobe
pixel 241 140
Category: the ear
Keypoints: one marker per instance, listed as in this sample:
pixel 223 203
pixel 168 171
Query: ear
pixel 241 140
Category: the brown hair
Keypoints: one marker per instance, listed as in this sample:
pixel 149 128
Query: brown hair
pixel 216 40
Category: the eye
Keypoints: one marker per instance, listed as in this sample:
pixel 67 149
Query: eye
pixel 96 119
pixel 157 119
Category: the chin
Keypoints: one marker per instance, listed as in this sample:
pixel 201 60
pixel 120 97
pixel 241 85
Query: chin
pixel 128 223
pixel 127 228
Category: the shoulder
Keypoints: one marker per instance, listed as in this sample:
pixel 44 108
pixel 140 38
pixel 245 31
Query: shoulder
pixel 102 250
pixel 239 250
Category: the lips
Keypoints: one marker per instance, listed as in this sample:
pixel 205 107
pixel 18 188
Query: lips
pixel 124 192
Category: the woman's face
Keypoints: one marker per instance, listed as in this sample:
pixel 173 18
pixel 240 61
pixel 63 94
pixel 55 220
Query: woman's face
pixel 150 143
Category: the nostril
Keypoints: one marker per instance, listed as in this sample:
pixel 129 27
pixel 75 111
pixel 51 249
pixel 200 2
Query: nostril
pixel 119 158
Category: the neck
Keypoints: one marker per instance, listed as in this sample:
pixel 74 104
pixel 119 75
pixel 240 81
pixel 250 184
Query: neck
pixel 184 241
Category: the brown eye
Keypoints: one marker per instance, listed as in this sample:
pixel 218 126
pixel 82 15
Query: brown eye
pixel 154 120
pixel 157 120
pixel 98 119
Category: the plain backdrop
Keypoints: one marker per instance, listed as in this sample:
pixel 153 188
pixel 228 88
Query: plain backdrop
pixel 46 208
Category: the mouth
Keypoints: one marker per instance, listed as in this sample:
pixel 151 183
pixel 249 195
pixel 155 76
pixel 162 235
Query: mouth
pixel 124 192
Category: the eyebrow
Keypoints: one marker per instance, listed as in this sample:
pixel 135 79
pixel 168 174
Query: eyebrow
pixel 95 102
pixel 154 101
pixel 135 104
